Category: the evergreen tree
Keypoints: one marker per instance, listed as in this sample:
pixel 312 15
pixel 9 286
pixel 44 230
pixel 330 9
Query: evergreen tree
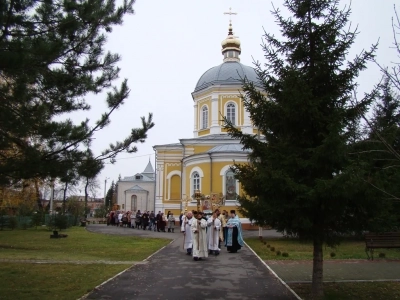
pixel 89 168
pixel 51 57
pixel 110 195
pixel 301 178
pixel 380 153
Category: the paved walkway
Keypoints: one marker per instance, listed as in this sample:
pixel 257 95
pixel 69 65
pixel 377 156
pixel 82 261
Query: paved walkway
pixel 171 274
pixel 300 271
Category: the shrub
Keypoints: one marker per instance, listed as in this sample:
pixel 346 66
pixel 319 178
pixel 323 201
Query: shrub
pixel 265 243
pixel 278 252
pixel 382 255
pixel 36 219
pixel 272 249
pixel 268 245
pixel 333 254
pixel 3 222
pixel 13 222
pixel 58 222
pixel 285 254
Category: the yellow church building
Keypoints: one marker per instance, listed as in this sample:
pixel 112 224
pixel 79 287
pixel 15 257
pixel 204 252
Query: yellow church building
pixel 203 162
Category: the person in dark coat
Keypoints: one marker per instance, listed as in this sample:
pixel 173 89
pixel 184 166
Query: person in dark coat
pixel 158 221
pixel 145 220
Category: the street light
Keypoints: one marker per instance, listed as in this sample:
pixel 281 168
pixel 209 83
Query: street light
pixel 105 186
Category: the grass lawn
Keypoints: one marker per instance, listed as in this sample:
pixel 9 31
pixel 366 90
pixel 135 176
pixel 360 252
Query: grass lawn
pixel 79 245
pixel 348 249
pixel 52 281
pixel 65 281
pixel 353 290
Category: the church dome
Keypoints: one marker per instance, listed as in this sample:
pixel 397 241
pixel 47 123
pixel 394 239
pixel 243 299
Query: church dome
pixel 227 73
pixel 231 71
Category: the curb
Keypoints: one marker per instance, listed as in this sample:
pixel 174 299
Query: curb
pixel 273 273
pixel 120 273
pixel 349 281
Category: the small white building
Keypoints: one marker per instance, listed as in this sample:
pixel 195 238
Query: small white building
pixel 137 192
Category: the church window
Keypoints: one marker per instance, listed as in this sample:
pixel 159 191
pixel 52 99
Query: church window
pixel 196 181
pixel 204 119
pixel 231 113
pixel 230 185
pixel 134 203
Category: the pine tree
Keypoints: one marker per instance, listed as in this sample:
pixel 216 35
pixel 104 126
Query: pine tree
pixel 301 178
pixel 380 153
pixel 51 57
pixel 110 195
pixel 89 168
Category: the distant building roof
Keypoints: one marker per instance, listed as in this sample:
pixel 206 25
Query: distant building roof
pixel 139 177
pixel 149 169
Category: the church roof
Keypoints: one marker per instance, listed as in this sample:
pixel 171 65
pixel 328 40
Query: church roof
pixel 227 73
pixel 136 188
pixel 133 178
pixel 149 168
pixel 221 136
pixel 229 148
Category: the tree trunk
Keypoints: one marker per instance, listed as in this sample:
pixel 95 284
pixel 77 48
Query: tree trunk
pixel 64 198
pixel 86 197
pixel 37 192
pixel 317 291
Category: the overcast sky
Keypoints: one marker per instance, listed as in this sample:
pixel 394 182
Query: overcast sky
pixel 167 45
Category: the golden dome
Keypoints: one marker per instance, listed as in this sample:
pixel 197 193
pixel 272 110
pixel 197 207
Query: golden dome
pixel 232 45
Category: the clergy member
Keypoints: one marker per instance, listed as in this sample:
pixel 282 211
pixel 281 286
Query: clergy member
pixel 214 227
pixel 199 227
pixel 222 218
pixel 187 232
pixel 234 238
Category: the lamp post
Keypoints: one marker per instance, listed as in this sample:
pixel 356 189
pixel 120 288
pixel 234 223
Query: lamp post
pixel 197 197
pixel 105 186
pixel 125 200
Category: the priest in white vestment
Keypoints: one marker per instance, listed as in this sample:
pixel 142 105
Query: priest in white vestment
pixel 199 237
pixel 187 232
pixel 214 227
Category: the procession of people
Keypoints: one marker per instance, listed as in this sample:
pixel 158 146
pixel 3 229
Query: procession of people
pixel 203 237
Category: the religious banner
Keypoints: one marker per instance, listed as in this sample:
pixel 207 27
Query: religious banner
pixel 206 205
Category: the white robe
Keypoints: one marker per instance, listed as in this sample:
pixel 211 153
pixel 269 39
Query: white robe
pixel 214 226
pixel 199 238
pixel 186 229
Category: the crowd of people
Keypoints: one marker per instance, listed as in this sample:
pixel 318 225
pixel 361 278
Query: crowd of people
pixel 203 237
pixel 146 220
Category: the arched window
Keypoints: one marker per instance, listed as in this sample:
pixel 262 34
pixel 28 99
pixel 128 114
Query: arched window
pixel 204 117
pixel 134 203
pixel 230 185
pixel 231 113
pixel 195 181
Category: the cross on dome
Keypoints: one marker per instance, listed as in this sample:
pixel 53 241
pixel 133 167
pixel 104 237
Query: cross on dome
pixel 231 45
pixel 230 13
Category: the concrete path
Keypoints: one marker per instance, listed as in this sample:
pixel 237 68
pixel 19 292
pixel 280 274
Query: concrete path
pixel 171 274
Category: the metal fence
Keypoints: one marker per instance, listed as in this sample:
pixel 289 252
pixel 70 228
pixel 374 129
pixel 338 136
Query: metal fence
pixel 51 221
